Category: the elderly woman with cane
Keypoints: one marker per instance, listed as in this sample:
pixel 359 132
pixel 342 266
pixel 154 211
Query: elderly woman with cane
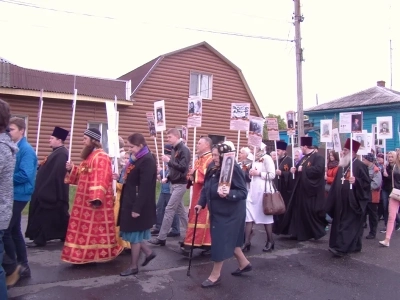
pixel 227 216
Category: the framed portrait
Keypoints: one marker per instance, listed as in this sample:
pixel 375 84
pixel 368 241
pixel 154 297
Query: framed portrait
pixel 384 128
pixel 225 179
pixel 326 131
pixel 357 122
pixel 337 146
pixel 159 113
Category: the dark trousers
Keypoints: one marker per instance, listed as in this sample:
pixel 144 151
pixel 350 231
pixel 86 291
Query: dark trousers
pixel 14 243
pixel 3 287
pixel 162 203
pixel 372 212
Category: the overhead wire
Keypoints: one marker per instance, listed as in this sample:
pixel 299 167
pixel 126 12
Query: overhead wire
pixel 237 34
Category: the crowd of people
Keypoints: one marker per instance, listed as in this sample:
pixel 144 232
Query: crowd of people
pixel 346 192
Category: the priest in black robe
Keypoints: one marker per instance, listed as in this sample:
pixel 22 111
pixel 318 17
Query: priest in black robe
pixel 48 210
pixel 305 215
pixel 347 206
pixel 283 179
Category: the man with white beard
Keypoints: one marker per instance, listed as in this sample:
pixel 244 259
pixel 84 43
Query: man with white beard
pixel 347 206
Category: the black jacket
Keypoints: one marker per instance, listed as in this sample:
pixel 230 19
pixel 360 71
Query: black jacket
pixel 179 164
pixel 138 195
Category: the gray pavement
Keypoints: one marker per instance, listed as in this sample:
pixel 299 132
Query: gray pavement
pixel 294 270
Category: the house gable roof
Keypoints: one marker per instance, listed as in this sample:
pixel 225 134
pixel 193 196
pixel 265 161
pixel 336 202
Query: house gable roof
pixel 139 75
pixel 16 77
pixel 376 95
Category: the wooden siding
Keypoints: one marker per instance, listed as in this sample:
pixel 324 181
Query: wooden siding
pixel 169 81
pixel 56 113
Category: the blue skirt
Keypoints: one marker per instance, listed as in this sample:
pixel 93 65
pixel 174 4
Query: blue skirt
pixel 136 236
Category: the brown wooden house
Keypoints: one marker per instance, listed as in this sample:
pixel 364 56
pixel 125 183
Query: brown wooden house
pixel 196 70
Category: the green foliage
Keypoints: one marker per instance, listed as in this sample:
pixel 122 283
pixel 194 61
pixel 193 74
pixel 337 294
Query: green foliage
pixel 281 124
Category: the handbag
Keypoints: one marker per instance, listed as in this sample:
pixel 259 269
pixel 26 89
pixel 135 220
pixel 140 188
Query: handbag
pixel 273 203
pixel 395 194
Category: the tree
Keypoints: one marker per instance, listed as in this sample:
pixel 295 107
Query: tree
pixel 281 124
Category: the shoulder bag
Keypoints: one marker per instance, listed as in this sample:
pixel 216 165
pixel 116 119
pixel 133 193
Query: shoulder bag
pixel 273 203
pixel 395 194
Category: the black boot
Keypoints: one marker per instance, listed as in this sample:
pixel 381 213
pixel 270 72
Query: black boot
pixel 269 247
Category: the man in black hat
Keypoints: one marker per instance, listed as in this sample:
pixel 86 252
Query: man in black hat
pixel 91 229
pixel 305 216
pixel 347 206
pixel 283 179
pixel 48 210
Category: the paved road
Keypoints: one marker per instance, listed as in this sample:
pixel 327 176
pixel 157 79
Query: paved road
pixel 293 271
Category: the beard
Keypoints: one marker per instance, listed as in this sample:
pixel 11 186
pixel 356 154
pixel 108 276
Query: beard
pixel 345 160
pixel 86 151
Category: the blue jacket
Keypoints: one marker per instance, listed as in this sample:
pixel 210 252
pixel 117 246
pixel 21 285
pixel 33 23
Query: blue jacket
pixel 25 171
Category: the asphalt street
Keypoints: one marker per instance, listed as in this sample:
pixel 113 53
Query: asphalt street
pixel 293 270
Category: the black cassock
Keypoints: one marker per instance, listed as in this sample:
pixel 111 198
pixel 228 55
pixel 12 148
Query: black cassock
pixel 347 208
pixel 284 184
pixel 305 215
pixel 48 209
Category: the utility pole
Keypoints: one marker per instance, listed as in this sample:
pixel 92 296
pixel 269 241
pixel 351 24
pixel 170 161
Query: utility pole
pixel 298 18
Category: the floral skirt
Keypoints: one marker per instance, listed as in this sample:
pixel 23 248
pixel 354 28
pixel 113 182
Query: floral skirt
pixel 136 236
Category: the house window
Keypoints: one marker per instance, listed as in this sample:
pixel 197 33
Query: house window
pixel 200 85
pixel 375 136
pixel 216 139
pixel 102 127
pixel 295 140
pixel 25 118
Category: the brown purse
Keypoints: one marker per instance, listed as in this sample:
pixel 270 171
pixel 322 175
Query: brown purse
pixel 273 203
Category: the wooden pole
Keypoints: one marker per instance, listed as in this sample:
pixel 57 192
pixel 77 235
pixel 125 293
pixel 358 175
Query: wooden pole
pixel 298 18
pixel 39 120
pixel 71 133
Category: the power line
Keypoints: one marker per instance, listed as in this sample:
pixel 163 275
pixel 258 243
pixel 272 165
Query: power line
pixel 238 34
pixel 26 4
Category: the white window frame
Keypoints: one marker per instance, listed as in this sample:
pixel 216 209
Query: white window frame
pixel 99 125
pixel 199 92
pixel 295 140
pixel 26 119
pixel 375 140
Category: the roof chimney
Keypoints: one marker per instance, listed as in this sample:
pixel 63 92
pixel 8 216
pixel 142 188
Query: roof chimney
pixel 380 83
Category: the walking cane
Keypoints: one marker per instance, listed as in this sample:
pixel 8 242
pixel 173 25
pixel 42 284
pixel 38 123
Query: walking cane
pixel 192 247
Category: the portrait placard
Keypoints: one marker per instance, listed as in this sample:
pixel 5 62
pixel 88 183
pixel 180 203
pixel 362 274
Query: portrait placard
pixel 350 122
pixel 290 122
pixel 256 131
pixel 337 146
pixel 150 124
pixel 384 128
pixel 240 113
pixel 195 111
pixel 184 134
pixel 272 129
pixel 225 178
pixel 326 131
pixel 159 113
pixel 362 139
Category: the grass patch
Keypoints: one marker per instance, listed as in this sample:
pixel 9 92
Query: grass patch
pixel 72 190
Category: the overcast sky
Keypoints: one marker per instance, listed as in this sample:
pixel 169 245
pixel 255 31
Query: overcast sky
pixel 346 43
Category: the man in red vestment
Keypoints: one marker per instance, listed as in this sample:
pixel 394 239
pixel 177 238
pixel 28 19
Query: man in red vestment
pixel 91 228
pixel 196 179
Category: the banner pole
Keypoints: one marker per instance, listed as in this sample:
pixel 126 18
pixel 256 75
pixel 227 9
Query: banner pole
pixel 39 121
pixel 237 148
pixel 162 150
pixel 292 151
pixel 351 159
pixel 71 133
pixel 277 158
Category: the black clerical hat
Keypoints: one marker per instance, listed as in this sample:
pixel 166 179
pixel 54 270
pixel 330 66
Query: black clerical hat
pixel 60 133
pixel 306 141
pixel 281 145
